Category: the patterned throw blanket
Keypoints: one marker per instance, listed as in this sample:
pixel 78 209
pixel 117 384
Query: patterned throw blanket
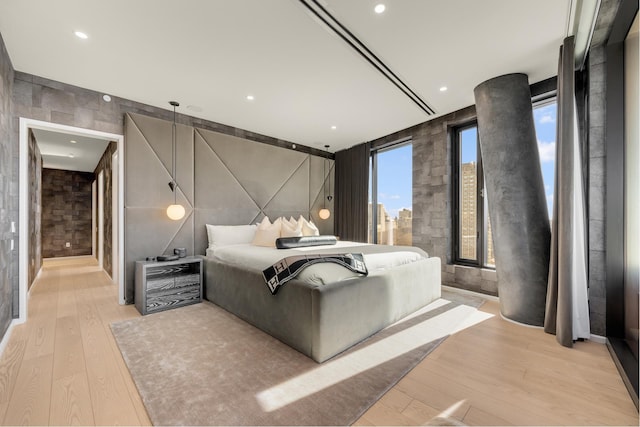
pixel 288 268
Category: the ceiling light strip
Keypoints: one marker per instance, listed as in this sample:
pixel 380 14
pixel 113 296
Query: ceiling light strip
pixel 332 23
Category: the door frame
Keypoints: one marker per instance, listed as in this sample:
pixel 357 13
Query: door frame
pixel 115 224
pixel 100 179
pixel 23 253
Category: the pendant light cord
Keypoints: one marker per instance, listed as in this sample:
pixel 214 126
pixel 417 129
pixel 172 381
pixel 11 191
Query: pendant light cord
pixel 174 137
pixel 173 155
pixel 324 186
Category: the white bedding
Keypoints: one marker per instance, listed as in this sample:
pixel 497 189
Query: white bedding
pixel 260 257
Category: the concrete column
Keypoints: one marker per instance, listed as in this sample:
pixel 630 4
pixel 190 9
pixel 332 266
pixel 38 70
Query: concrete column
pixel 517 205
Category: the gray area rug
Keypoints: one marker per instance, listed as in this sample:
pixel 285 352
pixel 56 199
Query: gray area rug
pixel 200 365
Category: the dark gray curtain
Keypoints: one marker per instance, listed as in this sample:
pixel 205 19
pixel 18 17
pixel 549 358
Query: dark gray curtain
pixel 566 313
pixel 352 193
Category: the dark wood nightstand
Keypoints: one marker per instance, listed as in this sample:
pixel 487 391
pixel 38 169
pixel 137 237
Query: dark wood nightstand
pixel 162 285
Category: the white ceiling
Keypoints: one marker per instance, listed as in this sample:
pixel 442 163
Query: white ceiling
pixel 57 150
pixel 213 53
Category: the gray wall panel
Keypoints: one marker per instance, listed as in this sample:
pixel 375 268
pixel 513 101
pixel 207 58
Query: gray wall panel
pixel 216 185
pixel 260 169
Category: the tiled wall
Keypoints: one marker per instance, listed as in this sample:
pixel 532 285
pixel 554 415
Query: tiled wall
pixel 35 203
pixel 8 194
pixel 596 66
pixel 51 101
pixel 432 198
pixel 66 213
pixel 105 165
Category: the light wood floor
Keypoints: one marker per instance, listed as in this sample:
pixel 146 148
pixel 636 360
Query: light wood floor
pixel 500 373
pixel 63 367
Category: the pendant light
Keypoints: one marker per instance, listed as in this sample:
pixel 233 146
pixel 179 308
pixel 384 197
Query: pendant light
pixel 174 211
pixel 324 212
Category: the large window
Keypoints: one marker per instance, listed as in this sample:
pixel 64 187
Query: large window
pixel 474 242
pixel 390 192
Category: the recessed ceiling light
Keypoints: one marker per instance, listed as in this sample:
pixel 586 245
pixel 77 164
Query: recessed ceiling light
pixel 250 98
pixel 73 141
pixel 380 8
pixel 71 156
pixel 81 35
pixel 106 98
pixel 334 127
pixel 443 89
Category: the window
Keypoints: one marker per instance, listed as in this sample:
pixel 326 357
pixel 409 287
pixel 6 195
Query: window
pixel 390 191
pixel 474 243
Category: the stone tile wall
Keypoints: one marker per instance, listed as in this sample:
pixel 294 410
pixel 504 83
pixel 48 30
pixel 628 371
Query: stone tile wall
pixel 596 191
pixel 105 165
pixel 8 209
pixel 66 213
pixel 596 90
pixel 432 198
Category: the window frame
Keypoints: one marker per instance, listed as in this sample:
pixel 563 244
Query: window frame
pixel 481 231
pixel 373 182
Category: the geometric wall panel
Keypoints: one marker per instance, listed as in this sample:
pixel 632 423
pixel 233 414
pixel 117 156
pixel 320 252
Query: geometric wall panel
pixel 223 179
pixel 261 169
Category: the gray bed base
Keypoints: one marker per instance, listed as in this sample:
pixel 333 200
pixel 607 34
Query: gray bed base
pixel 322 321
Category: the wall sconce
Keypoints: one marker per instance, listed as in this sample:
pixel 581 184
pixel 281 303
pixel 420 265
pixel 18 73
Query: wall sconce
pixel 324 212
pixel 174 211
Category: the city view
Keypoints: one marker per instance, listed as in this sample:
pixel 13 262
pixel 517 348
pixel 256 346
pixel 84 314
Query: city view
pixel 392 230
pixel 391 183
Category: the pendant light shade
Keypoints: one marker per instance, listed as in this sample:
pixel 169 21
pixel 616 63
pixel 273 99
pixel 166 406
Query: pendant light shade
pixel 324 212
pixel 174 211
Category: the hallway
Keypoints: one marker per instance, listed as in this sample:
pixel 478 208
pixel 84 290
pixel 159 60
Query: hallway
pixel 63 367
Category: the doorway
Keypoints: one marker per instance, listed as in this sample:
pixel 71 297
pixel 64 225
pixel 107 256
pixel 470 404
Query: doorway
pixel 27 126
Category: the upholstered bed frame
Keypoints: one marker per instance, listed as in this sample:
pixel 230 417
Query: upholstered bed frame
pixel 322 321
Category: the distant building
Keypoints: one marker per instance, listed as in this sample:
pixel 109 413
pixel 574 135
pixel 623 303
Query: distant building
pixel 391 231
pixel 468 212
pixel 469 217
pixel 405 227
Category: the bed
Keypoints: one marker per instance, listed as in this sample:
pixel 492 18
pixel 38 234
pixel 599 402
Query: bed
pixel 326 308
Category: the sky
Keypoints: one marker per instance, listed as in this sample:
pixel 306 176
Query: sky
pixel 394 179
pixel 395 166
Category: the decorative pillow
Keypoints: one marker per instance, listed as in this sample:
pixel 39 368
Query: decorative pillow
pixel 267 233
pixel 301 242
pixel 308 227
pixel 291 230
pixel 224 235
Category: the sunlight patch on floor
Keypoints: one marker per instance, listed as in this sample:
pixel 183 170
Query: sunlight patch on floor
pixel 344 367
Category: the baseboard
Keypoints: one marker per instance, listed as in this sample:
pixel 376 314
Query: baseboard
pixel 627 365
pixel 468 292
pixel 68 257
pixel 598 339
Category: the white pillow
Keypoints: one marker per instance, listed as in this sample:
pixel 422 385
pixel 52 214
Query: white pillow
pixel 224 235
pixel 267 233
pixel 291 230
pixel 308 227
